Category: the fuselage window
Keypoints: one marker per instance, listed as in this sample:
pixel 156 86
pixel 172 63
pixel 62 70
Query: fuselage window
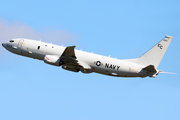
pixel 46 45
pixel 38 47
pixel 52 46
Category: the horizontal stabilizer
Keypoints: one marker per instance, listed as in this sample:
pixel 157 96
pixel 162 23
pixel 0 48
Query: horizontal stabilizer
pixel 166 72
pixel 150 68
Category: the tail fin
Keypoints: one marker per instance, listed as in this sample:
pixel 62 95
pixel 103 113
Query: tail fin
pixel 155 54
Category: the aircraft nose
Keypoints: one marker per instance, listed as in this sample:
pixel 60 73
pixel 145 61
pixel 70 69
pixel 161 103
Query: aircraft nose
pixel 3 44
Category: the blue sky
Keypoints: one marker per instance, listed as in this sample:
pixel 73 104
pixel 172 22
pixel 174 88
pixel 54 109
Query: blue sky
pixel 31 89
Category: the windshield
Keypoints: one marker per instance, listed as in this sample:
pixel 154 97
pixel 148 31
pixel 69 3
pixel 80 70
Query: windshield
pixel 11 41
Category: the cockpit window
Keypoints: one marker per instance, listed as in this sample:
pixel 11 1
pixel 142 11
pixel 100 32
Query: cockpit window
pixel 11 41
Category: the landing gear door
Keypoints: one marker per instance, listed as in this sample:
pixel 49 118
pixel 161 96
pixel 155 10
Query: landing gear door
pixel 20 43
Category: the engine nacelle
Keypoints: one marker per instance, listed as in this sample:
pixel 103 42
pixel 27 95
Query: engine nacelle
pixel 70 68
pixel 52 60
pixel 86 71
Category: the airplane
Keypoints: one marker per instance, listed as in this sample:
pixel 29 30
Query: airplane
pixel 77 60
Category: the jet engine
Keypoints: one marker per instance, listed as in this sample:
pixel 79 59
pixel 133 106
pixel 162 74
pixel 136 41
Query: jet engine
pixel 52 60
pixel 70 68
pixel 86 71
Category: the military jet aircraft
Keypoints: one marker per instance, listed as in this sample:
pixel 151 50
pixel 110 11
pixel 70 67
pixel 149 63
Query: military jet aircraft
pixel 77 60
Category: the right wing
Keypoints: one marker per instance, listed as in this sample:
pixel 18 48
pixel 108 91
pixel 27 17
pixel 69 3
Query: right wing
pixel 69 61
pixel 68 57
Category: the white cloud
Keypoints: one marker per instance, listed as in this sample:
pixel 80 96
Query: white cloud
pixel 9 30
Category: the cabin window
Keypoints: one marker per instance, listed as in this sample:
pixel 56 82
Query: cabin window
pixel 52 46
pixel 38 47
pixel 46 45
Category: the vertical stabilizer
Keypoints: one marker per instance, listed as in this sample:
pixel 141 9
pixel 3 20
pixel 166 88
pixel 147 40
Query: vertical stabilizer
pixel 155 54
